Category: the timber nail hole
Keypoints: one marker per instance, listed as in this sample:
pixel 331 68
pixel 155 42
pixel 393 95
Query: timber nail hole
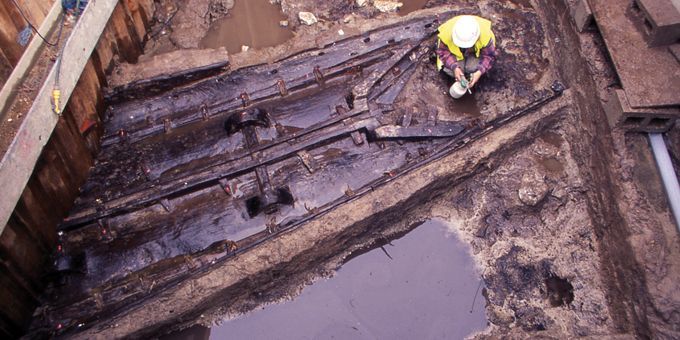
pixel 253 206
pixel 269 202
pixel 367 40
pixel 349 99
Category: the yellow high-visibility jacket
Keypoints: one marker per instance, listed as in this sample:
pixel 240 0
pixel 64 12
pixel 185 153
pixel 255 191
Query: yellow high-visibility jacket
pixel 446 30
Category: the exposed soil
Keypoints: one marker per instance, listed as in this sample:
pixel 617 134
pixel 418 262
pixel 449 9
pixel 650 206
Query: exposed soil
pixel 528 228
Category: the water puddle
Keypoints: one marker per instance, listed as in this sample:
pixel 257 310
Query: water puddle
pixel 552 164
pixel 411 6
pixel 466 104
pixel 253 23
pixel 423 285
pixel 552 138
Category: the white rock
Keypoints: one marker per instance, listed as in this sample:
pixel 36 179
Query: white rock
pixel 362 3
pixel 307 18
pixel 386 5
pixel 532 188
pixel 245 48
pixel 283 23
pixel 341 32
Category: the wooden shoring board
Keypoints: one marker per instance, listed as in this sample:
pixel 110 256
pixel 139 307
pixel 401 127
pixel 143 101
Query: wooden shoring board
pixel 18 163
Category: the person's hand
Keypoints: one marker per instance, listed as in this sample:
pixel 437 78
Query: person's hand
pixel 458 73
pixel 475 78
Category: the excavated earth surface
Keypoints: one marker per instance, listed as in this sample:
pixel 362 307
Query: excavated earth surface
pixel 566 218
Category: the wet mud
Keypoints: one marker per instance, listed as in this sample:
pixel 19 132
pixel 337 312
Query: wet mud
pixel 411 5
pixel 530 285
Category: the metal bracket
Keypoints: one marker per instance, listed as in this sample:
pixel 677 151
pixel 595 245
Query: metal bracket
pixel 251 117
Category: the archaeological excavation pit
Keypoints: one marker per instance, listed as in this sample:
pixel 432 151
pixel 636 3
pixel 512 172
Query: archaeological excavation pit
pixel 231 169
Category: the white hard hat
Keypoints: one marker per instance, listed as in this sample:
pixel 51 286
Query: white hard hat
pixel 465 31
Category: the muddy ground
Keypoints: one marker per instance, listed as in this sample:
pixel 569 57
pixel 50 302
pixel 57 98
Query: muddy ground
pixel 566 218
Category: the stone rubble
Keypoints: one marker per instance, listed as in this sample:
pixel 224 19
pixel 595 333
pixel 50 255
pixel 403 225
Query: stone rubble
pixel 387 6
pixel 307 18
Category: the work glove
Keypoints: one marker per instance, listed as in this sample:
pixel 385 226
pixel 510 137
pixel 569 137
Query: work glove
pixel 474 78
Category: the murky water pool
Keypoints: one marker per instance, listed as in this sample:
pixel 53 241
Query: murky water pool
pixel 256 24
pixel 253 23
pixel 411 5
pixel 466 105
pixel 421 286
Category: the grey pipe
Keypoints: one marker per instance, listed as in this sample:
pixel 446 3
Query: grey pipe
pixel 670 180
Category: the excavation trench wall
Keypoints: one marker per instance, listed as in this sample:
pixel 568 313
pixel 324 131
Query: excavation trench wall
pixel 277 268
pixel 625 280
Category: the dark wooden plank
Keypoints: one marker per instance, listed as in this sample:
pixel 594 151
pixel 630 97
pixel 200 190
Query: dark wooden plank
pixel 18 247
pixel 9 32
pixel 17 304
pixel 86 104
pixel 99 68
pixel 76 153
pixel 136 37
pixel 45 200
pixel 105 49
pixel 24 280
pixel 49 176
pixel 136 10
pixel 129 49
pixel 162 83
pixel 442 129
pixel 31 212
pixel 9 329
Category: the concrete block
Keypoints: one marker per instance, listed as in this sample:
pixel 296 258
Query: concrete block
pixel 675 51
pixel 583 16
pixel 659 21
pixel 653 119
